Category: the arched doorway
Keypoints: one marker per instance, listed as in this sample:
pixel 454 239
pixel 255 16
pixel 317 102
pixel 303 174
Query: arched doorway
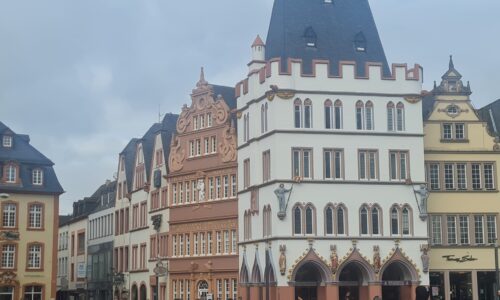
pixel 202 290
pixel 353 282
pixel 143 292
pixel 396 281
pixel 307 280
pixel 134 293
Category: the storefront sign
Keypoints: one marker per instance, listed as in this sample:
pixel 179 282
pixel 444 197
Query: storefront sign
pixel 81 271
pixel 462 259
pixel 396 283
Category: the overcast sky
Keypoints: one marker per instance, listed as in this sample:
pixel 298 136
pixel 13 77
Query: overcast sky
pixel 84 77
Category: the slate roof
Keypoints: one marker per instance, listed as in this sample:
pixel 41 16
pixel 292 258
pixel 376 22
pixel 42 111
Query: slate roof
pixel 169 127
pixel 227 93
pixel 491 114
pixel 105 196
pixel 129 153
pixel 28 158
pixel 147 142
pixel 427 106
pixel 335 26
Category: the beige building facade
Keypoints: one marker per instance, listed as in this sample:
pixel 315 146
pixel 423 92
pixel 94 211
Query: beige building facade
pixel 462 159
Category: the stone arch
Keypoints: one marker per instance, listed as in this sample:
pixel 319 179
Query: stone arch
pixel 244 276
pixel 269 273
pixel 256 273
pixel 405 266
pixel 365 267
pixel 312 258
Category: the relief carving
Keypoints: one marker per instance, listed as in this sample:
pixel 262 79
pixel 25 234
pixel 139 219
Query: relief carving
pixel 282 260
pixel 184 120
pixel 376 259
pixel 334 259
pixel 227 148
pixel 221 111
pixel 177 155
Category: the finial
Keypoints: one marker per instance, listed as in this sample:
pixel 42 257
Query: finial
pixel 202 82
pixel 452 66
pixel 258 42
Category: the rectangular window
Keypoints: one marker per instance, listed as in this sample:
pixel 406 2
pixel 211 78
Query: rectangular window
pixel 266 165
pixel 399 165
pixel 227 289
pixel 478 229
pixel 34 257
pixel 328 117
pixel 209 119
pixel 174 245
pixel 449 176
pixel 464 229
pixel 488 176
pixel 491 227
pixel 234 242
pixel 434 176
pixel 7 141
pixel 227 242
pixel 246 173
pixel 213 142
pixel 181 245
pixel 369 118
pixel 302 163
pixel 219 289
pixel 219 243
pixel 436 230
pixel 338 117
pixel 191 148
pixel 297 116
pixel 188 191
pixel 35 216
pixel 174 193
pixel 195 248
pixel 81 243
pixel 8 256
pixel 451 222
pixel 461 176
pixel 211 188
pixel 234 187
pixel 202 242
pixel 447 131
pixel 390 118
pixel 206 144
pixel 235 289
pixel 198 147
pixel 225 190
pixel 359 118
pixel 476 176
pixel 9 215
pixel 188 245
pixel 459 131
pixel 368 164
pixel 209 243
pixel 217 188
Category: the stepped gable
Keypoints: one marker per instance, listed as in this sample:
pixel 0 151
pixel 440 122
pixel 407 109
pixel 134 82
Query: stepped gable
pixel 28 158
pixel 340 30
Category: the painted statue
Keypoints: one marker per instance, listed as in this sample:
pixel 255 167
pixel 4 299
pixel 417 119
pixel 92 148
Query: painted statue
pixel 425 258
pixel 281 195
pixel 282 259
pixel 334 259
pixel 376 258
pixel 424 195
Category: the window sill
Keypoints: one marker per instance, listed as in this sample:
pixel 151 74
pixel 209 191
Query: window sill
pixel 457 141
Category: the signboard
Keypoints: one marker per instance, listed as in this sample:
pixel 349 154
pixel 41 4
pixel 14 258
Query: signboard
pixel 81 271
pixel 395 283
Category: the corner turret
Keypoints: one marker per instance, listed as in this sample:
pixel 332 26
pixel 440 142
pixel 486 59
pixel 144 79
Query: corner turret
pixel 258 55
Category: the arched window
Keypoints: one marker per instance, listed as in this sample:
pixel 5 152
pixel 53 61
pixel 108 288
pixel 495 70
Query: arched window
pixel 297 220
pixel 338 116
pixel 262 117
pixel 248 126
pixel 308 114
pixel 375 220
pixel 267 221
pixel 266 107
pixel 400 117
pixel 341 220
pixel 369 121
pixel 394 221
pixel 360 115
pixel 329 220
pixel 390 117
pixel 328 114
pixel 245 138
pixel 364 220
pixel 405 221
pixel 297 113
pixel 309 220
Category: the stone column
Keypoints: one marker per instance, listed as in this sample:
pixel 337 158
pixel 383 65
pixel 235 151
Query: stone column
pixel 447 286
pixel 475 290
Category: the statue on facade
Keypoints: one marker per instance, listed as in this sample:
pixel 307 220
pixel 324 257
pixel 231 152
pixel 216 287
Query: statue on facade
pixel 201 190
pixel 422 205
pixel 425 258
pixel 282 260
pixel 334 259
pixel 282 199
pixel 376 258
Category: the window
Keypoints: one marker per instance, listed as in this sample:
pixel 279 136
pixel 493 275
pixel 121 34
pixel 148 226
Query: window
pixel 219 243
pixel 451 222
pixel 191 148
pixel 35 256
pixel 400 117
pixel 333 163
pixel 491 227
pixel 206 144
pixel 453 131
pixel 202 242
pixel 461 176
pixel 308 114
pixel 369 116
pixel 234 239
pixel 390 117
pixel 360 42
pixel 246 127
pixel 263 118
pixel 399 162
pixel 333 114
pixel 297 220
pixel 211 191
pixel 341 220
pixel 234 188
pixel 174 245
pixel 219 288
pixel 246 173
pixel 464 229
pixel 309 220
pixel 479 229
pixel 476 176
pixel 9 215
pixel 447 131
pixel 310 37
pixel 7 141
pixel 394 221
pixel 81 243
pixel 209 243
pixel 364 220
pixel 297 113
pixel 368 164
pixel 436 230
pixel 188 245
pixel 209 120
pixel 328 114
pixel 8 256
pixel 37 177
pixel 198 147
pixel 266 166
pixel 217 188
pixel 360 112
pixel 227 242
pixel 11 174
pixel 488 176
pixel 235 288
pixel 449 176
pixel 434 176
pixel 35 215
pixel 202 121
pixel 375 216
pixel 33 292
pixel 329 219
pixel 302 163
pixel 405 220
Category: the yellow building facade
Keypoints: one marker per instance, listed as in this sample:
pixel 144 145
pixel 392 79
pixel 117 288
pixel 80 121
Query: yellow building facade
pixel 462 160
pixel 29 203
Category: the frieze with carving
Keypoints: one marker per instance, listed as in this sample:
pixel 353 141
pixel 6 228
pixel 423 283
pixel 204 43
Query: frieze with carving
pixel 205 226
pixel 221 111
pixel 177 155
pixel 227 148
pixel 9 236
pixel 413 99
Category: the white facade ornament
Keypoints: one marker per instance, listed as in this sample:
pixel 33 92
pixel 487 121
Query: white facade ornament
pixel 201 190
pixel 423 192
pixel 282 199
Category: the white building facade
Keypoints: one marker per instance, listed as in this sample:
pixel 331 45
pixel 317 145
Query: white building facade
pixel 347 145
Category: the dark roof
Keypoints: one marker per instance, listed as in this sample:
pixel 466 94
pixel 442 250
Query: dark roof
pixel 129 153
pixel 227 94
pixel 335 27
pixel 491 114
pixel 28 158
pixel 427 106
pixel 147 142
pixel 169 127
pixel 105 195
pixel 64 219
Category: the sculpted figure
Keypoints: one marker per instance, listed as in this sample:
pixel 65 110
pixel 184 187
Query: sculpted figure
pixel 334 259
pixel 376 258
pixel 201 190
pixel 425 258
pixel 282 260
pixel 424 195
pixel 281 195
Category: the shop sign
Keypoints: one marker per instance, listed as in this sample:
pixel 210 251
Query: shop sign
pixel 81 271
pixel 396 283
pixel 462 259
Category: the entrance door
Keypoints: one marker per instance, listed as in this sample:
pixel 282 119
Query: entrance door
pixel 307 280
pixel 202 290
pixel 306 293
pixel 6 293
pixel 351 281
pixel 391 292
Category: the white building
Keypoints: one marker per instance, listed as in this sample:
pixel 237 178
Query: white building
pixel 344 130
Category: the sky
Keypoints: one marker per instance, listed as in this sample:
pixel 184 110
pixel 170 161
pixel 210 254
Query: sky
pixel 84 77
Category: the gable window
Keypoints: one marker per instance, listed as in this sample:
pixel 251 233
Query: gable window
pixel 302 163
pixel 9 214
pixel 297 113
pixel 308 113
pixel 7 141
pixel 453 131
pixel 37 177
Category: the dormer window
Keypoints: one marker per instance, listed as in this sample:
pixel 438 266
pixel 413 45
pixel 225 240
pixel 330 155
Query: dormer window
pixel 11 173
pixel 37 177
pixel 310 37
pixel 360 42
pixel 7 141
